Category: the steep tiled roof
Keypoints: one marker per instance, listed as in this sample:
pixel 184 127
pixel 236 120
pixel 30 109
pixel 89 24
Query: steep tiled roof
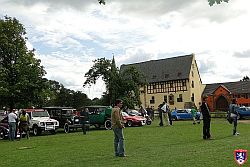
pixel 233 87
pixel 164 69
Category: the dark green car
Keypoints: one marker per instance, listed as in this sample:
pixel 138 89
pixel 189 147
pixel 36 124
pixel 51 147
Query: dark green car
pixel 100 116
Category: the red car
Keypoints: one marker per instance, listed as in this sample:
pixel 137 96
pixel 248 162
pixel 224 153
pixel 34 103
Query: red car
pixel 133 120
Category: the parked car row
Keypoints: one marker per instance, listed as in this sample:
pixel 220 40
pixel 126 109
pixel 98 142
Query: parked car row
pixel 51 118
pixel 39 121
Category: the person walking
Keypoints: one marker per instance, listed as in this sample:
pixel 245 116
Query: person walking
pixel 12 120
pixel 206 119
pixel 84 117
pixel 24 124
pixel 118 125
pixel 170 116
pixel 193 112
pixel 234 114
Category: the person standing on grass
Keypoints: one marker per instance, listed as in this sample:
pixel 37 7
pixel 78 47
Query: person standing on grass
pixel 84 117
pixel 234 114
pixel 118 125
pixel 12 120
pixel 24 124
pixel 206 119
pixel 167 113
pixel 160 111
pixel 193 112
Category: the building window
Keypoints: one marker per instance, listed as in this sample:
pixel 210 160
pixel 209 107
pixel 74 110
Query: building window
pixel 166 75
pixel 184 83
pixel 152 101
pixel 171 99
pixel 192 84
pixel 179 99
pixel 154 77
pixel 192 98
pixel 179 74
pixel 165 98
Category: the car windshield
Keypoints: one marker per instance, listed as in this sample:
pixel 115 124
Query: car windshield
pixel 40 114
pixel 68 112
pixel 180 111
pixel 133 112
pixel 125 114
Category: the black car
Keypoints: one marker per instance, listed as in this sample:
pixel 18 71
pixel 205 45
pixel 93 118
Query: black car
pixel 4 128
pixel 66 116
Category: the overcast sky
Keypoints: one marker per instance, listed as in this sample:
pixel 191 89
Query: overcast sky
pixel 69 34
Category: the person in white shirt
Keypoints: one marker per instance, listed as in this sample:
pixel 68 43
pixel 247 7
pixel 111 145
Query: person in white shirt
pixel 12 119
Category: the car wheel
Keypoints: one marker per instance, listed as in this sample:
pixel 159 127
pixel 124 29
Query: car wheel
pixel 108 124
pixel 66 128
pixel 129 123
pixel 175 118
pixel 2 134
pixel 148 122
pixel 36 131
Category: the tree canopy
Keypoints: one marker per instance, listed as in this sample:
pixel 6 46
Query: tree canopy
pixel 119 84
pixel 20 72
pixel 245 78
pixel 212 2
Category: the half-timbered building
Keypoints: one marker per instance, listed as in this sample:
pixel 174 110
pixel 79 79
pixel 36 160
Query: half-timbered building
pixel 175 80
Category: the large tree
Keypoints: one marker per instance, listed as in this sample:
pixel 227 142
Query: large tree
pixel 58 95
pixel 119 84
pixel 21 73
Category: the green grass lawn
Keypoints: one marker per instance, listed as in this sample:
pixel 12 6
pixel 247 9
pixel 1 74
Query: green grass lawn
pixel 180 145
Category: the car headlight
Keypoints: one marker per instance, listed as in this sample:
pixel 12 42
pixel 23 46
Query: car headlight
pixel 42 123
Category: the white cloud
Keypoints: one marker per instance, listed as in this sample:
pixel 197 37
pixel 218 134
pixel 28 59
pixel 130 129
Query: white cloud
pixel 69 35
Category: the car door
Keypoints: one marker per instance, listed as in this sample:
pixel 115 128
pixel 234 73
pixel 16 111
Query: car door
pixel 188 114
pixel 246 112
pixel 181 114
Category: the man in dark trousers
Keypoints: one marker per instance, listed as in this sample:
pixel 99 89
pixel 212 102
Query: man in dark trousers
pixel 234 114
pixel 206 119
pixel 84 115
pixel 161 113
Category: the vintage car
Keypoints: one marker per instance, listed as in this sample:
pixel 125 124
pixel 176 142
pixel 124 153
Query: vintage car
pixel 100 116
pixel 4 128
pixel 67 117
pixel 183 114
pixel 133 120
pixel 40 121
pixel 243 112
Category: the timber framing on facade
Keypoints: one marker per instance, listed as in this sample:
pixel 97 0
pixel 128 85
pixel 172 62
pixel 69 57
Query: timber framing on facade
pixel 175 80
